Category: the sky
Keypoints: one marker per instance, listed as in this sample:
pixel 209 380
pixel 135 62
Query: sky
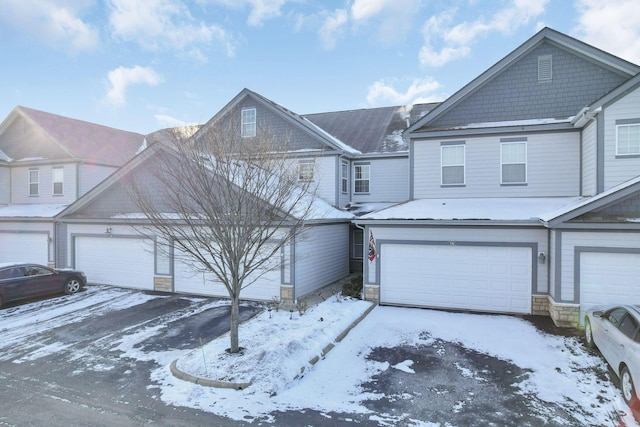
pixel 143 65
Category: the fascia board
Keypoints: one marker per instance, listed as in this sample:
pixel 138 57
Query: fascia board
pixel 487 131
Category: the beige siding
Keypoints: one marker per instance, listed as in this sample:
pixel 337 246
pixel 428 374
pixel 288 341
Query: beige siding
pixel 553 168
pixel 618 170
pixel 589 159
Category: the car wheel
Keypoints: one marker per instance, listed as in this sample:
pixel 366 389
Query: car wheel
pixel 72 286
pixel 626 385
pixel 588 333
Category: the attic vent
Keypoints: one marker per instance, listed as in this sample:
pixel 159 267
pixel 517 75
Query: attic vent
pixel 544 68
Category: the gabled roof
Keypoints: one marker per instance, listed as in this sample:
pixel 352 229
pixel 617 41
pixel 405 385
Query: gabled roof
pixel 61 137
pixel 599 201
pixel 287 115
pixel 582 49
pixel 372 130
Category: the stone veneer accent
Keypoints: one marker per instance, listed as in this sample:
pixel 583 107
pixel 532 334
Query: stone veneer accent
pixel 372 293
pixel 163 283
pixel 286 294
pixel 564 315
pixel 51 264
pixel 540 305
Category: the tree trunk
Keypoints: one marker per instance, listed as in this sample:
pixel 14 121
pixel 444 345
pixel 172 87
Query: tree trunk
pixel 235 309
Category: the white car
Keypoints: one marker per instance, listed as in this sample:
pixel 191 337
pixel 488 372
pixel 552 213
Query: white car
pixel 615 332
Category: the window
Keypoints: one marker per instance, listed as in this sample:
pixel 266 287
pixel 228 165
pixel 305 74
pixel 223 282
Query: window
pixel 344 177
pixel 452 160
pixel 248 122
pixel 545 68
pixel 629 326
pixel 513 159
pixel 628 139
pixel 58 181
pixel 358 243
pixel 305 170
pixel 361 178
pixel 34 182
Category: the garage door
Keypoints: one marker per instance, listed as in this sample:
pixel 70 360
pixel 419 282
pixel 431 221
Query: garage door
pixel 608 278
pixel 27 247
pixel 116 261
pixel 187 280
pixel 482 278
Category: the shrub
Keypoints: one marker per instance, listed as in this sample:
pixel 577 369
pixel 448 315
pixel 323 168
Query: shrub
pixel 353 288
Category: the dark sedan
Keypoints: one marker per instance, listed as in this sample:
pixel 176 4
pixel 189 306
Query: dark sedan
pixel 20 281
pixel 616 332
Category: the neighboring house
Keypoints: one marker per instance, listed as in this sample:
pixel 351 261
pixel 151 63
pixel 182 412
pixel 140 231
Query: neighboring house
pixel 46 163
pixel 105 243
pixel 524 189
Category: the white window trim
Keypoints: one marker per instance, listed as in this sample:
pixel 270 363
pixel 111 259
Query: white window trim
pixel 248 128
pixel 36 182
pixel 54 182
pixel 355 179
pixel 303 166
pixel 463 164
pixel 618 126
pixel 526 158
pixel 344 177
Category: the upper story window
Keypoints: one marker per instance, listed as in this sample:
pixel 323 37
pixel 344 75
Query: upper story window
pixel 452 158
pixel 57 175
pixel 344 177
pixel 627 137
pixel 362 173
pixel 248 122
pixel 545 68
pixel 34 182
pixel 305 170
pixel 513 161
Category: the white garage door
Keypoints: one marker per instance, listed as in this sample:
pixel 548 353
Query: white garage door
pixel 116 261
pixel 608 278
pixel 482 278
pixel 27 247
pixel 187 280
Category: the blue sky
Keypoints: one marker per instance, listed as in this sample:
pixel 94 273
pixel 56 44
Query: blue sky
pixel 142 65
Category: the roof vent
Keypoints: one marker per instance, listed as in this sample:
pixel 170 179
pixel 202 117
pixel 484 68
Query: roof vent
pixel 545 68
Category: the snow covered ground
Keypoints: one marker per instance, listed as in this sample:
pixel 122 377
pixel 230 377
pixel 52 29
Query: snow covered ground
pixel 559 371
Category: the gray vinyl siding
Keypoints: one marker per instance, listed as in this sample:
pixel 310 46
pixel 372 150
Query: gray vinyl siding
pixel 20 185
pixel 321 257
pixel 618 170
pixel 389 180
pixel 5 185
pixel 552 256
pixel 553 168
pixel 516 94
pixel 589 159
pixel 534 236
pixel 570 240
pixel 92 175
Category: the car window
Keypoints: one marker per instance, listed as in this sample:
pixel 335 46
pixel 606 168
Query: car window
pixel 35 270
pixel 11 273
pixel 629 326
pixel 615 316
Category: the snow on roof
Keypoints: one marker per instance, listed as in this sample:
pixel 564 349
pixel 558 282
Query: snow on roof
pixel 30 211
pixel 495 209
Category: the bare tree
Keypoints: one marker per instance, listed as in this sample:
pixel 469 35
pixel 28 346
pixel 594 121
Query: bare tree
pixel 227 204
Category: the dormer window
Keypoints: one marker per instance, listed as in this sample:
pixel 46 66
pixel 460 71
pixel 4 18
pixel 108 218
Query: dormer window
pixel 34 182
pixel 545 68
pixel 248 122
pixel 305 170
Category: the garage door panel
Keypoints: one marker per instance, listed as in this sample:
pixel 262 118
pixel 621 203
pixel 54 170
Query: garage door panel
pixel 127 262
pixel 608 278
pixel 24 247
pixel 482 278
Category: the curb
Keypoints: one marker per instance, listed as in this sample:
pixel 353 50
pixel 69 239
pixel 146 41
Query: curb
pixel 241 386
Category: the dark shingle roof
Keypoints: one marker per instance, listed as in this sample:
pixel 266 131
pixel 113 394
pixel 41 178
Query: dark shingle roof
pixel 371 130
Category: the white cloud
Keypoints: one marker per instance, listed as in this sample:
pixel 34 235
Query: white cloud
pixel 444 42
pixel 393 18
pixel 161 24
pixel 56 23
pixel 165 120
pixel 611 26
pixel 332 28
pixel 419 91
pixel 121 78
pixel 261 10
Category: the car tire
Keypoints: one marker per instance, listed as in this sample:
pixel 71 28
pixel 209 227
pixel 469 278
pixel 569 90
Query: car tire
pixel 588 334
pixel 72 286
pixel 627 387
